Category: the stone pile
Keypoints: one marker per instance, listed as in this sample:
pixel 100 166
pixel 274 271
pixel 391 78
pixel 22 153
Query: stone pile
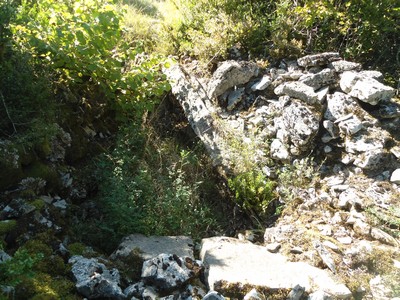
pixel 320 106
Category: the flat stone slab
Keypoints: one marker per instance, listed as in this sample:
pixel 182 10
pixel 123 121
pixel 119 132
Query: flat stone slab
pixel 152 246
pixel 230 262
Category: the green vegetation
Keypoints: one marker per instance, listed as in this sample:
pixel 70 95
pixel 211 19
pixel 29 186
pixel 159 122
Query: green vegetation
pixel 151 186
pixel 253 192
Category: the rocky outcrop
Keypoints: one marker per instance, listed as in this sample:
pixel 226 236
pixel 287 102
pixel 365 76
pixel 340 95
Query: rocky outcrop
pixel 94 280
pixel 323 107
pixel 288 106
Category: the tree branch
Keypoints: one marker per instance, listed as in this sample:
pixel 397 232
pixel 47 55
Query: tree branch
pixel 8 113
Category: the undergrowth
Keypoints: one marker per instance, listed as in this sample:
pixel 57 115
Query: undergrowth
pixel 152 186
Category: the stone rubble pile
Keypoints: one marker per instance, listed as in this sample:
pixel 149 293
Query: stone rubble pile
pixel 320 106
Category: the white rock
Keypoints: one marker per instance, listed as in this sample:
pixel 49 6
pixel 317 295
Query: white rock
pixel 383 237
pixel 395 178
pixel 151 246
pixel 296 293
pixel 372 74
pixel 279 151
pixel 371 91
pixel 347 80
pixel 230 261
pixel 319 295
pixel 378 289
pixel 167 272
pixel 345 240
pixel 253 295
pixel 319 59
pixel 262 84
pixel 320 79
pixel 339 105
pixel 230 74
pixel 322 93
pixel 213 295
pixel 343 65
pixel 351 126
pixel 370 160
pixel 297 90
pixel 361 228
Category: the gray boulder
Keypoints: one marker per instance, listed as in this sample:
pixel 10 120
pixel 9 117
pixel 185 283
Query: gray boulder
pixel 94 280
pixel 297 90
pixel 365 87
pixel 229 74
pixel 320 59
pixel 298 124
pixel 320 79
pixel 4 256
pixel 371 91
pixel 167 272
pixel 338 106
pixel 343 65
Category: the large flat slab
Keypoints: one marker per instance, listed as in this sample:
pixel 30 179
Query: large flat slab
pixel 229 261
pixel 151 246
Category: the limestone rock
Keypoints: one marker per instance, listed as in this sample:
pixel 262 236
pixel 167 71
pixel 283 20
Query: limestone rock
pixel 151 246
pixel 167 272
pixel 213 295
pixel 135 290
pixel 297 90
pixel 371 91
pixel 234 98
pixel 278 151
pixel 338 106
pixel 319 295
pixel 254 295
pixel 395 177
pixel 302 124
pixel 318 59
pixel 296 293
pixel 320 79
pixel 351 125
pixel 370 160
pixel 262 84
pixel 383 237
pixel 232 262
pixel 378 289
pixel 4 256
pixel 230 74
pixel 325 256
pixel 343 65
pixel 94 280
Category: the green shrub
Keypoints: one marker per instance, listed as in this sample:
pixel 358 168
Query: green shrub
pixel 83 42
pixel 152 187
pixel 20 267
pixel 253 192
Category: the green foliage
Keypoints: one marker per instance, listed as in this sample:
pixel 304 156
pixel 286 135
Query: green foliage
pixel 149 186
pixel 253 191
pixel 83 42
pixel 6 226
pixel 20 267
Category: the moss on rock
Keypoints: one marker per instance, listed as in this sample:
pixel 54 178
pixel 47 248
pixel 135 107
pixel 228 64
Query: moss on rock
pixel 7 226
